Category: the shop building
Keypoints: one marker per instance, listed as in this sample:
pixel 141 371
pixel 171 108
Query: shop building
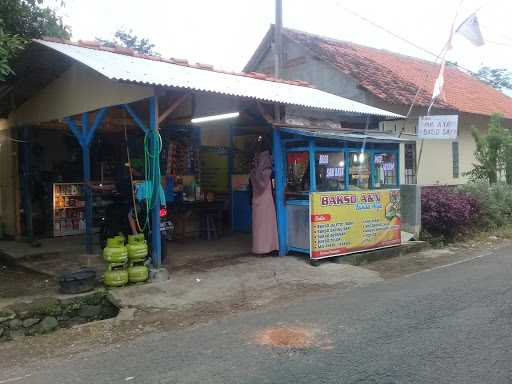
pixel 76 113
pixel 398 83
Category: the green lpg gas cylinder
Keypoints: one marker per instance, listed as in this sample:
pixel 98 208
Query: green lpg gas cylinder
pixel 138 272
pixel 115 251
pixel 116 275
pixel 137 247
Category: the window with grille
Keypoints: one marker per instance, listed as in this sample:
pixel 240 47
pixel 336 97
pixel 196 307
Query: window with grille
pixel 455 159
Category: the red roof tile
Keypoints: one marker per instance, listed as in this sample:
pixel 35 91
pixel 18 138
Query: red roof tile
pixel 395 78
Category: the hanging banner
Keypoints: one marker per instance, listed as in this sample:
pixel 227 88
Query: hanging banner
pixel 348 222
pixel 442 127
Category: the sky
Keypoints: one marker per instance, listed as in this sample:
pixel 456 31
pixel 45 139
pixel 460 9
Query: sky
pixel 225 33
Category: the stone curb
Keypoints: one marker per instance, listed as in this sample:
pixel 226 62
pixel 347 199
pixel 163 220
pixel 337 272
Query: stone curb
pixel 384 253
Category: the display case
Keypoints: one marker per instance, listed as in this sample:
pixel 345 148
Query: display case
pixel 68 209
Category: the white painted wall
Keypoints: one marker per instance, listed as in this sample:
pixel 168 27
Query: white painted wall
pixel 436 165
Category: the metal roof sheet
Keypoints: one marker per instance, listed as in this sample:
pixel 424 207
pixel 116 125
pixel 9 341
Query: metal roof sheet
pixel 369 136
pixel 122 67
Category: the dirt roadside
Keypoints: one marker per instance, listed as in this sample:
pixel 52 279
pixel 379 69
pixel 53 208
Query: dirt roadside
pixel 108 335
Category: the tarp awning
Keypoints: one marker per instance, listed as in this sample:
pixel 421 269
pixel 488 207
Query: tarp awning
pixel 370 136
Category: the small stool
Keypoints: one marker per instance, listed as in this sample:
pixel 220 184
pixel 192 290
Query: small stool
pixel 209 226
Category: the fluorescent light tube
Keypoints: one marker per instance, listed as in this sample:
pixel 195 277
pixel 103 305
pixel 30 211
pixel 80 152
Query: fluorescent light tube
pixel 215 117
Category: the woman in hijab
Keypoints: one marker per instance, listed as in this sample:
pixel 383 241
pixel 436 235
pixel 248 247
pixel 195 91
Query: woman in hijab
pixel 264 225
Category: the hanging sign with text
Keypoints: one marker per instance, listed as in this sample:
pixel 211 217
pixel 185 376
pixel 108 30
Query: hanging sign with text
pixel 442 127
pixel 348 222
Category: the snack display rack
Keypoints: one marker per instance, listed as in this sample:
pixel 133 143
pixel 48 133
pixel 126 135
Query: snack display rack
pixel 68 209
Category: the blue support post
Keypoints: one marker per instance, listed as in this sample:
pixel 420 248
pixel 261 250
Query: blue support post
pixel 231 159
pixel 312 170
pixel 280 179
pixel 84 137
pixel 86 163
pixel 156 246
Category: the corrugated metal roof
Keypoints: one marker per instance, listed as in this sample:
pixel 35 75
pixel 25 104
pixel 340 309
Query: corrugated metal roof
pixel 369 136
pixel 123 67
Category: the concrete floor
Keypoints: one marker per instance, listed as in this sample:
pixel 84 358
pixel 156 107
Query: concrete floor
pixel 57 255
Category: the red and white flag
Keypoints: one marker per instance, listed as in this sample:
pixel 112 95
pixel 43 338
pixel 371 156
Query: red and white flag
pixel 470 29
pixel 438 85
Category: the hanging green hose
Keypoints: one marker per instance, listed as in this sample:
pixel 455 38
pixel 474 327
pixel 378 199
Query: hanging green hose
pixel 152 149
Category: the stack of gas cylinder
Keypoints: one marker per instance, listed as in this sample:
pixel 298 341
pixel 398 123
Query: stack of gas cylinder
pixel 126 262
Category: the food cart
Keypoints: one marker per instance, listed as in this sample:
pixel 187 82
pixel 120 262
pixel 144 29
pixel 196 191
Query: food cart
pixel 337 191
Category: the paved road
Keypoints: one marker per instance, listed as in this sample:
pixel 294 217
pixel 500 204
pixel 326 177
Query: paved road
pixel 448 325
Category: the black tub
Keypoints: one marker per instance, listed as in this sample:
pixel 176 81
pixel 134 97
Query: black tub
pixel 80 281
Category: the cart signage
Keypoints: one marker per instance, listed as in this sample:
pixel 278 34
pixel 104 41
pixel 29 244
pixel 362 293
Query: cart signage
pixel 442 127
pixel 348 222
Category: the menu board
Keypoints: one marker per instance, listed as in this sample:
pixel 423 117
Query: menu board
pixel 214 169
pixel 353 221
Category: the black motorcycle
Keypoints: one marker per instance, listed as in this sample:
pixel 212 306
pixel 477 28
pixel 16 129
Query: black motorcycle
pixel 115 222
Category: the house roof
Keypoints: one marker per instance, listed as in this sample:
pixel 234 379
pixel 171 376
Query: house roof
pixel 396 78
pixel 122 64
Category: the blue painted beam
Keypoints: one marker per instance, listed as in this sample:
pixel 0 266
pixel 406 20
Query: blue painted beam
pixel 85 124
pixel 71 124
pixel 280 179
pixel 98 119
pixel 84 137
pixel 297 149
pixel 136 118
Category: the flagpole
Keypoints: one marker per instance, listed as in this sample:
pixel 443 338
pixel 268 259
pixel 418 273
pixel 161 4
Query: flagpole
pixel 438 85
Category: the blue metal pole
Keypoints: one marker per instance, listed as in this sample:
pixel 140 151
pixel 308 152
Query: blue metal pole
pixel 156 246
pixel 231 159
pixel 88 197
pixel 280 178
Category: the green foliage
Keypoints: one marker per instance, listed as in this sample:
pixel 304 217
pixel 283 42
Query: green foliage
pixel 496 77
pixel 22 20
pixel 495 203
pixel 30 19
pixel 9 46
pixel 127 39
pixel 493 153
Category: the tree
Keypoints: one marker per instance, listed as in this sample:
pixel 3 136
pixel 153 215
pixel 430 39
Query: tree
pixel 498 78
pixel 493 153
pixel 22 20
pixel 9 46
pixel 126 38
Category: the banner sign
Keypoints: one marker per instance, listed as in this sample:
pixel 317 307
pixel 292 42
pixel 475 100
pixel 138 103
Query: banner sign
pixel 438 127
pixel 353 221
